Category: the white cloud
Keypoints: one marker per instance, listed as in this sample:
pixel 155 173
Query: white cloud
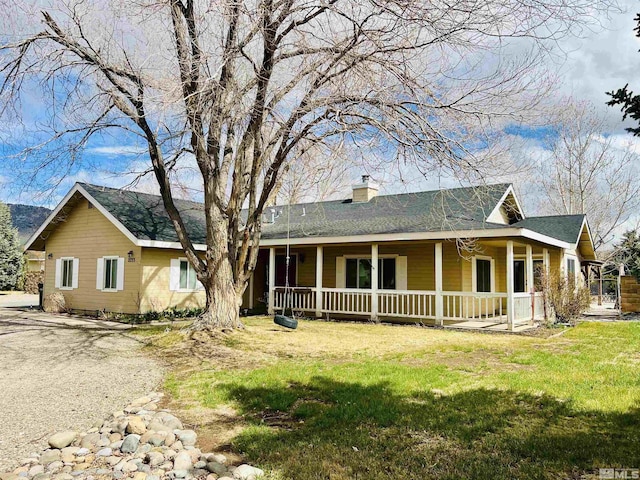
pixel 117 150
pixel 603 61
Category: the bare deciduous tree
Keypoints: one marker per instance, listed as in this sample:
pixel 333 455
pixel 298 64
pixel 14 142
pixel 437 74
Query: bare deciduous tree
pixel 245 87
pixel 586 172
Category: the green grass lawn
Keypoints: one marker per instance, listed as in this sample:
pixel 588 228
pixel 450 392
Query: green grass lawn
pixel 361 401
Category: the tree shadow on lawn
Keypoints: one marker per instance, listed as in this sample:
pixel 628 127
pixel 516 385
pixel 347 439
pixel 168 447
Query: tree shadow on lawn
pixel 327 429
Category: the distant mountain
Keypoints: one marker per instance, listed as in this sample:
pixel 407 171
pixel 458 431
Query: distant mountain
pixel 27 218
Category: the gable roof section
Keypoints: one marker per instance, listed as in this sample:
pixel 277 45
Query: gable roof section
pixel 563 227
pixel 431 211
pixel 572 229
pixel 144 215
pixel 452 213
pixel 510 205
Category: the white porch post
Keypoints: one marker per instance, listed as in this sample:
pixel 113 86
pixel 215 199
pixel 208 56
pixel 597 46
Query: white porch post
pixel 546 268
pixel 374 281
pixel 319 265
pixel 510 302
pixel 529 262
pixel 439 298
pixel 272 279
pixel 530 285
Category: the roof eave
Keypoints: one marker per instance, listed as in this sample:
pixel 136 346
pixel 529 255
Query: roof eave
pixel 51 217
pixel 78 188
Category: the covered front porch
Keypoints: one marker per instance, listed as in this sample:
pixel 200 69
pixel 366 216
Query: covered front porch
pixel 493 287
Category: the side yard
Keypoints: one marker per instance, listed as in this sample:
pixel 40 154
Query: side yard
pixel 344 400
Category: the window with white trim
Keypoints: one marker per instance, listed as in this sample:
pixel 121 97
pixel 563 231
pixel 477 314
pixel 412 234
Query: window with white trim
pixel 358 273
pixel 110 273
pixel 483 275
pixel 571 267
pixel 571 270
pixel 66 278
pixel 66 273
pixel 188 278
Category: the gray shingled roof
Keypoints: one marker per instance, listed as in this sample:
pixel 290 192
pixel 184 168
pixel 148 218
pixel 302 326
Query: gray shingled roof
pixel 563 227
pixel 432 211
pixel 144 214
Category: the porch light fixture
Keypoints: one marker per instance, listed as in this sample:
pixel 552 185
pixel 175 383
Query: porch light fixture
pixel 130 255
pixel 50 256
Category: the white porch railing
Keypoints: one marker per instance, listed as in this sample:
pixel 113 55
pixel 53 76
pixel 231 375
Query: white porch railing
pixel 457 306
pixel 297 298
pixel 522 306
pixel 346 300
pixel 528 307
pixel 407 303
pixel 475 306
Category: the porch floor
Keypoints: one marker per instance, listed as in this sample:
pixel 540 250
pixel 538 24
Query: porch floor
pixel 496 327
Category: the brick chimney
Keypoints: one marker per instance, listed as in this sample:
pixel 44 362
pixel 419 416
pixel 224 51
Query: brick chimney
pixel 364 191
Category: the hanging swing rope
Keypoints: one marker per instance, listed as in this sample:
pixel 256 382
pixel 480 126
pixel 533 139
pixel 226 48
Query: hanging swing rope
pixel 287 294
pixel 282 319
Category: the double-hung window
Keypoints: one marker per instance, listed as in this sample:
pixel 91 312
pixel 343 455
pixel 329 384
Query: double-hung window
pixel 66 273
pixel 66 279
pixel 182 276
pixel 110 273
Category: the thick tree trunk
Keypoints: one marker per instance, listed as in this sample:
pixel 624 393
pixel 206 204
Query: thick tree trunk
pixel 223 289
pixel 224 299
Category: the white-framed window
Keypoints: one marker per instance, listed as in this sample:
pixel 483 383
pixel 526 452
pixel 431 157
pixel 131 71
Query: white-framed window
pixel 188 277
pixel 571 269
pixel 356 272
pixel 483 274
pixel 182 277
pixel 110 274
pixel 66 275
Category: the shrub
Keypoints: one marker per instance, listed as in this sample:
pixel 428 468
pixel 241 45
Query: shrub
pixel 55 303
pixel 170 314
pixel 566 299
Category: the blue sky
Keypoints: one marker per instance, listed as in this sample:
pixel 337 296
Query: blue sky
pixel 596 63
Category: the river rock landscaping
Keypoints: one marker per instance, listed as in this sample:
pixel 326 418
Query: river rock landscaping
pixel 141 442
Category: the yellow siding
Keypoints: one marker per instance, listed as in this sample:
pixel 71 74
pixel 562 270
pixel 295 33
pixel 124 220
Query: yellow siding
pixel 156 266
pixel 87 235
pixel 420 261
pixel 451 267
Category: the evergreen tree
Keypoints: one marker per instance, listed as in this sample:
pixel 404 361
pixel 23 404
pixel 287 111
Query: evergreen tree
pixel 627 252
pixel 10 251
pixel 628 101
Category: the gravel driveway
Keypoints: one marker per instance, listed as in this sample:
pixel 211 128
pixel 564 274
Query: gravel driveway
pixel 60 372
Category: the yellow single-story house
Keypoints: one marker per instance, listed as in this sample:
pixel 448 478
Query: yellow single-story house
pixel 436 256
